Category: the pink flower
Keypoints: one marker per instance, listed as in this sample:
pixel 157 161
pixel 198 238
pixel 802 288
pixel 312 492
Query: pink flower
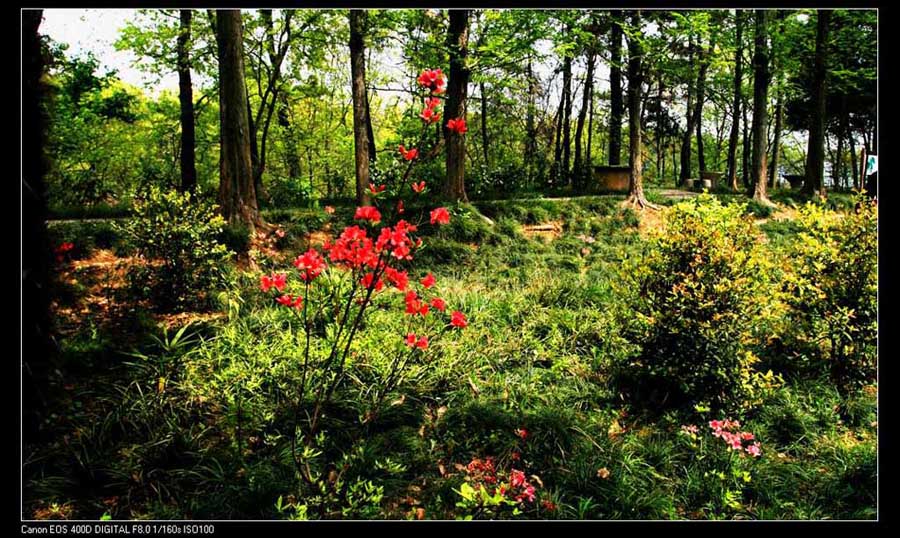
pixel 754 450
pixel 516 478
pixel 522 433
pixel 746 436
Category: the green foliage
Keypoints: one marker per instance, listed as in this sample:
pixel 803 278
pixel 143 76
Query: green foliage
pixel 832 291
pixel 176 238
pixel 696 303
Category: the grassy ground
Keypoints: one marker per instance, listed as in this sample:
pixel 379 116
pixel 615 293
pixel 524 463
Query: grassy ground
pixel 541 288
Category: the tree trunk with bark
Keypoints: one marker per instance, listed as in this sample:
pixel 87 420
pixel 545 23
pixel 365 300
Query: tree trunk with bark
pixel 567 120
pixel 237 193
pixel 814 182
pixel 760 105
pixel 615 90
pixel 776 142
pixel 455 105
pixel 736 102
pixel 635 79
pixel 698 106
pixel 186 102
pixel 530 128
pixel 360 104
pixel 690 113
pixel 580 172
pixel 484 131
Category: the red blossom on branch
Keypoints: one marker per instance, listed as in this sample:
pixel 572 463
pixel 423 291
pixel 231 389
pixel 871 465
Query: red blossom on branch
pixel 457 125
pixel 440 216
pixel 418 187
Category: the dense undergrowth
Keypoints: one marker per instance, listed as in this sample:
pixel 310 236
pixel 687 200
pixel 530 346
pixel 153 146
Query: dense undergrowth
pixel 194 423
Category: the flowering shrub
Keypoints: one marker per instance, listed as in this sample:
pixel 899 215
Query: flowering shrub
pixel 177 237
pixel 698 300
pixel 489 492
pixel 369 262
pixel 832 291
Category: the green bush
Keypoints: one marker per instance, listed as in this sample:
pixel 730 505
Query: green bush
pixel 177 239
pixel 695 301
pixel 832 291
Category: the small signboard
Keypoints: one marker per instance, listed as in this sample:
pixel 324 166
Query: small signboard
pixel 871 164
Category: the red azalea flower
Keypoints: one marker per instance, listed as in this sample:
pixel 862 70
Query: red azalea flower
pixel 523 433
pixel 440 216
pixel 366 282
pixel 458 319
pixel 430 116
pixel 422 343
pixel 515 456
pixel 398 279
pixel 400 209
pixel 432 79
pixel 423 310
pixel 410 340
pixel 287 300
pixel 418 187
pixel 428 281
pixel 516 478
pixel 368 212
pixel 310 264
pixel 401 252
pixel 409 154
pixel 279 232
pixel 457 125
pixel 548 506
pixel 438 304
pixel 278 281
pixel 376 189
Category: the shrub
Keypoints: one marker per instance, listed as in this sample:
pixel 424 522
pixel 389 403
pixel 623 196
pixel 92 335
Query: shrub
pixel 695 302
pixel 177 238
pixel 832 291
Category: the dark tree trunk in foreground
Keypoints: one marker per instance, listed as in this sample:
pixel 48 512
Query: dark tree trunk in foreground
pixel 484 131
pixel 580 172
pixel 745 151
pixel 635 79
pixel 698 106
pixel 615 90
pixel 853 170
pixel 690 114
pixel 36 341
pixel 186 101
pixel 776 142
pixel 760 103
pixel 369 131
pixel 736 102
pixel 237 193
pixel 360 104
pixel 814 183
pixel 530 128
pixel 567 121
pixel 455 105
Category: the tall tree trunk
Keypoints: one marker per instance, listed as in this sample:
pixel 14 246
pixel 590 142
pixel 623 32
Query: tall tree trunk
pixel 698 106
pixel 557 148
pixel 658 135
pixel 530 128
pixel 186 102
pixel 615 89
pixel 370 133
pixel 814 182
pixel 736 101
pixel 484 131
pixel 745 150
pixel 690 113
pixel 37 344
pixel 455 105
pixel 853 170
pixel 635 79
pixel 579 171
pixel 360 106
pixel 760 104
pixel 237 195
pixel 567 120
pixel 776 143
pixel 292 157
pixel 838 167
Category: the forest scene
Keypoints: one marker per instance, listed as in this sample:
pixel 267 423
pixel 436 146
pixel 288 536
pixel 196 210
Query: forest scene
pixel 449 264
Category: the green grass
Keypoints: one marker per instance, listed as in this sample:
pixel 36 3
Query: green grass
pixel 537 355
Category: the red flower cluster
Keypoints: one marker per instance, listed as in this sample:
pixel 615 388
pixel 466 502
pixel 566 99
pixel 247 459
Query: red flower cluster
pixel 310 264
pixel 432 79
pixel 414 305
pixel 483 474
pixel 428 114
pixel 352 249
pixel 413 341
pixel 375 189
pixel 458 319
pixel 438 304
pixel 278 281
pixel 440 216
pixel 408 154
pixel 368 212
pixel 418 187
pixel 729 431
pixel 457 125
pixel 61 250
pixel 290 301
pixel 398 279
pixel 366 282
pixel 397 240
pixel 428 281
